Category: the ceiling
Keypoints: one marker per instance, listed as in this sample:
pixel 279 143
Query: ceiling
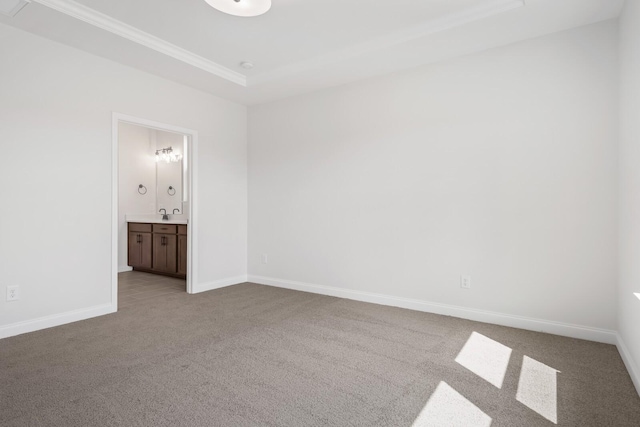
pixel 299 45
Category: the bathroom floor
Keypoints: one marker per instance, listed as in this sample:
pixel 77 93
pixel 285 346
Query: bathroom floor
pixel 135 287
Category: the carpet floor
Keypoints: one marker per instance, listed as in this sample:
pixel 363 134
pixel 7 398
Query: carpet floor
pixel 252 355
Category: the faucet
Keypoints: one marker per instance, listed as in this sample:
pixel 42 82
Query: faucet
pixel 174 211
pixel 165 217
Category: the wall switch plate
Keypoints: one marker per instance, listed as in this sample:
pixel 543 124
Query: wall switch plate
pixel 265 259
pixel 465 282
pixel 13 293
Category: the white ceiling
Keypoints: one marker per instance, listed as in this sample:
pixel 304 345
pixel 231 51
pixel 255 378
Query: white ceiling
pixel 299 45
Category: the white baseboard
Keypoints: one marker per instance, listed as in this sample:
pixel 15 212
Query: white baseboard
pixel 124 268
pixel 55 320
pixel 538 325
pixel 209 286
pixel 634 372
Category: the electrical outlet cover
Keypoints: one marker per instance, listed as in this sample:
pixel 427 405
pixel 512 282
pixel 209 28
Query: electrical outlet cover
pixel 465 282
pixel 13 293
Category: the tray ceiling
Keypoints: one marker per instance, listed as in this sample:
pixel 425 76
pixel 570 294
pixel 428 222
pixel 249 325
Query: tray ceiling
pixel 299 45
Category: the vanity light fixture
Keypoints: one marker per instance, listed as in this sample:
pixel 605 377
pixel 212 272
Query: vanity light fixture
pixel 243 8
pixel 167 155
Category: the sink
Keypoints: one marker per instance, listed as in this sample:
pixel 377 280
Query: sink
pixel 157 219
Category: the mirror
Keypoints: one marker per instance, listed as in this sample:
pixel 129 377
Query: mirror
pixel 146 185
pixel 170 158
pixel 169 186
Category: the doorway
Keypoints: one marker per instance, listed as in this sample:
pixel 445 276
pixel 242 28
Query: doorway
pixel 153 227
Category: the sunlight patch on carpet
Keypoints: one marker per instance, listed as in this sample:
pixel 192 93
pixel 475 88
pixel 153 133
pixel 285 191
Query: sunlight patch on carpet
pixel 447 407
pixel 538 388
pixel 486 358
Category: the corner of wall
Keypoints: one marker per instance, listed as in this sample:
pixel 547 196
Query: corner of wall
pixel 631 365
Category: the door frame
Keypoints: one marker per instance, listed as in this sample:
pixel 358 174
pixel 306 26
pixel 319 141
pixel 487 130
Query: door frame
pixel 192 155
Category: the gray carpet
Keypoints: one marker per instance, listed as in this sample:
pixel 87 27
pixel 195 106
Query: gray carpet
pixel 250 355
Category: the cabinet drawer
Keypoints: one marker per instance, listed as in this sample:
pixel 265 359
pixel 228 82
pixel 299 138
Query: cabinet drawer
pixel 182 230
pixel 136 226
pixel 165 228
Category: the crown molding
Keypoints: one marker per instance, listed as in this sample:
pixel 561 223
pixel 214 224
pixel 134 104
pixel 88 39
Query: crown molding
pixel 458 19
pixel 17 7
pixel 114 26
pixel 107 23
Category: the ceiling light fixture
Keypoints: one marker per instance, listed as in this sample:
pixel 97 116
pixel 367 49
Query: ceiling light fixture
pixel 244 8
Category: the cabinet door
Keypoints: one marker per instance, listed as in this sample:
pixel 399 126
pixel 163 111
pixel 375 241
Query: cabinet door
pixel 165 252
pixel 182 255
pixel 134 249
pixel 139 250
pixel 145 250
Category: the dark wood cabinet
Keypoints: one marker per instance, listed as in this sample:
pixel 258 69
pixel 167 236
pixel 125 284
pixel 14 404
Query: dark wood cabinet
pixel 158 248
pixel 165 253
pixel 140 249
pixel 182 255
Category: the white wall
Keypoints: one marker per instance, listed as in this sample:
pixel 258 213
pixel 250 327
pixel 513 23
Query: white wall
pixel 628 304
pixel 501 165
pixel 56 107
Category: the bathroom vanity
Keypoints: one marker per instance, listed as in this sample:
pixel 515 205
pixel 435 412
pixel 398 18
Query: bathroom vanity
pixel 158 247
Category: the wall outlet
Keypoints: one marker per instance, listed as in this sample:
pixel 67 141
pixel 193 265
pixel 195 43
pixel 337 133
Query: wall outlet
pixel 265 259
pixel 13 293
pixel 465 282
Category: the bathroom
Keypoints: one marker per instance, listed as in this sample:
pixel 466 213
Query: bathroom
pixel 153 213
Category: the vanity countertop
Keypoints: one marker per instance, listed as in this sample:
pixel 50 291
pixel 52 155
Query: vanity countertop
pixel 156 219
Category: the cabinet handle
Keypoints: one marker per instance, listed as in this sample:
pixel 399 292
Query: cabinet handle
pixel 139 240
